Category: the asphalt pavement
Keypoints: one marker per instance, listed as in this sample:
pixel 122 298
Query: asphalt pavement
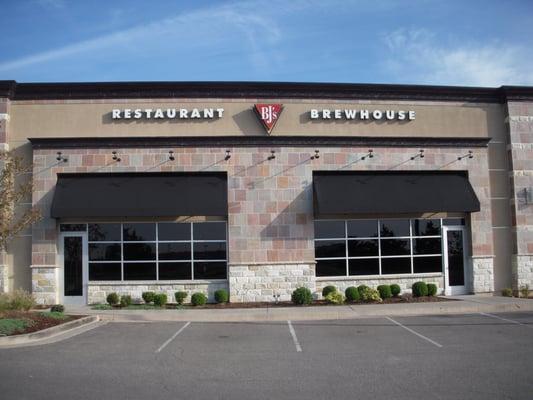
pixel 471 356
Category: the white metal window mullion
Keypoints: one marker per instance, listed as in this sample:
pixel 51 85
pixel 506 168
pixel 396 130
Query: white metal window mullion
pixel 411 244
pixel 379 244
pixel 121 252
pixel 192 251
pixel 157 251
pixel 346 245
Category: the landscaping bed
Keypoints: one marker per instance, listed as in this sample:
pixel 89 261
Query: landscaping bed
pixel 20 322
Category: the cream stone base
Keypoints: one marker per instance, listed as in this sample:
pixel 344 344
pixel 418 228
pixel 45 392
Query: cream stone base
pixel 262 282
pixel 44 284
pixel 483 274
pixel 522 266
pixel 98 291
pixel 4 286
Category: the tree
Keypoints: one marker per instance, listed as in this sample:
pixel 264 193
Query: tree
pixel 11 193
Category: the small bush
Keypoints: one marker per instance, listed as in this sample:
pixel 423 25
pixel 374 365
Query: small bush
pixel 335 298
pixel 54 315
pixel 370 295
pixel 148 297
pixel 180 297
pixel 361 289
pixel 198 299
pixel 432 289
pixel 328 289
pixel 221 296
pixel 395 289
pixel 524 291
pixel 352 294
pixel 112 299
pixel 385 291
pixel 57 308
pixel 20 300
pixel 420 289
pixel 125 300
pixel 160 299
pixel 301 296
pixel 4 302
pixel 507 292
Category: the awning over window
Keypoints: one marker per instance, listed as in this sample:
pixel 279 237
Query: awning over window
pixel 391 192
pixel 140 195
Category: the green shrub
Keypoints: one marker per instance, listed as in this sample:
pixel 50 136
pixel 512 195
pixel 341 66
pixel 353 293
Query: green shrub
pixel 302 295
pixel 125 300
pixel 160 299
pixel 385 291
pixel 420 289
pixel 507 292
pixel 395 289
pixel 335 298
pixel 148 297
pixel 18 300
pixel 361 289
pixel 221 296
pixel 58 308
pixel 352 294
pixel 54 315
pixel 4 302
pixel 432 289
pixel 524 291
pixel 370 295
pixel 9 326
pixel 198 299
pixel 112 299
pixel 328 289
pixel 180 297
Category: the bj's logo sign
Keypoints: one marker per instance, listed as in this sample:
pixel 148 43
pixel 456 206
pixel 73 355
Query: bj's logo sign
pixel 268 114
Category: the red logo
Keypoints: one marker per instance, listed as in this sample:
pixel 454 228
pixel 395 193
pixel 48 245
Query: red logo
pixel 268 114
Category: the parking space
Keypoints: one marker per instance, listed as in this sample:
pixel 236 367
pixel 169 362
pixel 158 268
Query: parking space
pixel 479 356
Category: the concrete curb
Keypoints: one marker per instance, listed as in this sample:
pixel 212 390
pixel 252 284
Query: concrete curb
pixel 308 313
pixel 33 337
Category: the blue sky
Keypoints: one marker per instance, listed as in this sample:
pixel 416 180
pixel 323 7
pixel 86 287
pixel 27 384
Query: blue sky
pixel 445 42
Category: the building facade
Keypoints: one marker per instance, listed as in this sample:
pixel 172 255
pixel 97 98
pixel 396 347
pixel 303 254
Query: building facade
pixel 260 188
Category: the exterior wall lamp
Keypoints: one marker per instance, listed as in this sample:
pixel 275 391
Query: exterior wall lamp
pixel 60 157
pixel 171 155
pixel 116 157
pixel 228 155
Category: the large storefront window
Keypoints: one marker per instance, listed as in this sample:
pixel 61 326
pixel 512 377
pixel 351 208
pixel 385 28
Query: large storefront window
pixel 157 251
pixel 378 247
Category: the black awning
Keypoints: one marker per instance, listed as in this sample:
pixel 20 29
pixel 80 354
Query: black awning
pixel 392 192
pixel 140 195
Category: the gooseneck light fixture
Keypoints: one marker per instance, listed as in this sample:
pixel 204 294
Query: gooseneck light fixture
pixel 171 155
pixel 470 154
pixel 228 155
pixel 316 155
pixel 60 157
pixel 419 155
pixel 272 155
pixel 370 154
pixel 116 157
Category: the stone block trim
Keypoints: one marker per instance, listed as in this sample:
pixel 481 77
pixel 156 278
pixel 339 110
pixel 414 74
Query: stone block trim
pixel 97 292
pixel 522 271
pixel 45 284
pixel 4 286
pixel 405 282
pixel 261 282
pixel 483 274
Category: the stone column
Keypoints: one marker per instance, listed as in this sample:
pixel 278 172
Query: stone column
pixel 4 146
pixel 520 150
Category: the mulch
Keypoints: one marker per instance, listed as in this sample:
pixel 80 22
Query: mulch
pixel 39 321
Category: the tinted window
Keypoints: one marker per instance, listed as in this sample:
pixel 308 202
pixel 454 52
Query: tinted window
pixel 104 232
pixel 139 232
pixel 364 266
pixel 139 271
pixel 362 248
pixel 394 227
pixel 427 246
pixel 426 227
pixel 175 270
pixel 174 231
pixel 104 252
pixel 209 231
pixel 329 229
pixel 104 271
pixel 139 251
pixel 395 247
pixel 330 248
pixel 331 267
pixel 209 270
pixel 453 221
pixel 396 265
pixel 210 251
pixel 73 227
pixel 427 264
pixel 362 228
pixel 175 251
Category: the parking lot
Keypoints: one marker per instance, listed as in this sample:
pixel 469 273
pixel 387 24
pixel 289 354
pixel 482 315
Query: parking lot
pixel 477 356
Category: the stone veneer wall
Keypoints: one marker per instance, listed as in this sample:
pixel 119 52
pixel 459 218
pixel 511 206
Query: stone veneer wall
pixel 520 149
pixel 482 277
pixel 97 291
pixel 4 119
pixel 405 282
pixel 270 218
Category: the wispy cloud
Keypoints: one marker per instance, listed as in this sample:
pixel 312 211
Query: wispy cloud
pixel 416 55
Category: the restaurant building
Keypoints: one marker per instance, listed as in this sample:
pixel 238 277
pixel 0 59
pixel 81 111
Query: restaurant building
pixel 260 188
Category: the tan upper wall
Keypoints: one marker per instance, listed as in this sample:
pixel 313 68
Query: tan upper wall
pixel 93 119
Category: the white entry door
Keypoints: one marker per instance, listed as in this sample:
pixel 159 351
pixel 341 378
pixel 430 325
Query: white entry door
pixel 455 260
pixel 73 251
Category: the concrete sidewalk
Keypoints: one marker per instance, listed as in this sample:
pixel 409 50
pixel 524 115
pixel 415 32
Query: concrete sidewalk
pixel 463 305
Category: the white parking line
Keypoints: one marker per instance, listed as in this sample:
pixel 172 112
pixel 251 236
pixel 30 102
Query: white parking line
pixel 173 337
pixel 294 338
pixel 415 333
pixel 504 319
